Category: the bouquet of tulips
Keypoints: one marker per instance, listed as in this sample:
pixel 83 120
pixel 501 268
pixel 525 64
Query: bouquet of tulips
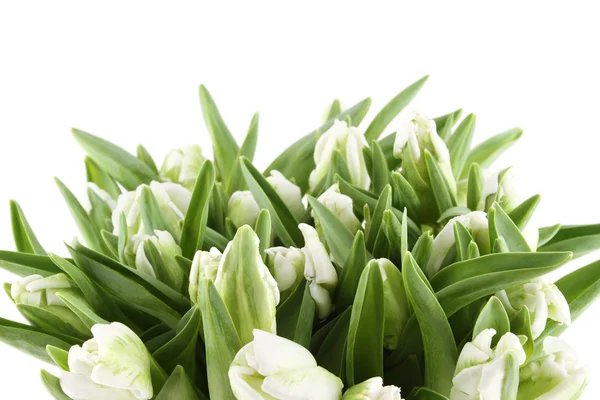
pixel 357 266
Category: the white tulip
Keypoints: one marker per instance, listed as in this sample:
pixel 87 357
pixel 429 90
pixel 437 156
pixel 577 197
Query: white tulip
pixel 286 266
pixel 103 195
pixel 502 187
pixel 554 376
pixel 36 290
pixel 182 166
pixel 271 367
pixel 486 373
pixel 319 270
pixel 341 206
pixel 372 389
pixel 242 208
pixel 475 221
pixel 204 266
pixel 396 308
pixel 350 142
pixel 543 300
pixel 290 194
pixel 113 365
pixel 173 201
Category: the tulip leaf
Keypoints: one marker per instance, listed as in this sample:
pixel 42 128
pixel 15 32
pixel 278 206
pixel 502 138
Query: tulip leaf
pixel 392 109
pixel 178 387
pixel 488 151
pixel 297 161
pixel 221 339
pixel 263 231
pixel 406 193
pixel 463 239
pixel 423 393
pixel 442 194
pixel 332 353
pixel 494 316
pixel 112 243
pixel 296 314
pixel 52 321
pixel 236 178
pixel 502 226
pixel 284 223
pixel 33 341
pixel 447 120
pixel 523 212
pixel 59 356
pixel 406 375
pixel 393 231
pixel 547 233
pixel 338 237
pixel 474 187
pixel 380 174
pixel 25 239
pixel 24 264
pixel 453 212
pixel 580 239
pixel 144 156
pixel 213 238
pixel 52 384
pixel 334 109
pixel 80 308
pixel 151 214
pixel 194 224
pixel 95 174
pixel 421 251
pixel 438 342
pixel 365 334
pixel 383 203
pixel 89 231
pixel 123 166
pixel 225 148
pixel 521 325
pixel 460 143
pixel 351 272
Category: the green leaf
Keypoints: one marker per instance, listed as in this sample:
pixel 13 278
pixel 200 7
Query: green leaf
pixel 406 193
pixel 78 305
pixel 351 272
pixel 488 151
pixel 194 224
pixel 52 321
pixel 383 203
pixel 365 334
pixel 89 231
pixel 453 212
pixel 406 375
pixel 297 162
pixel 474 187
pixel 23 264
pixel 438 342
pixel 380 175
pixel 332 353
pixel 144 156
pixel 494 316
pixel 523 212
pixel 449 120
pixel 334 109
pixel 284 223
pixel 338 237
pixel 463 239
pixel 424 393
pixel 178 387
pixel 181 350
pixel 502 226
pixel 392 109
pixel 442 194
pixel 25 239
pixel 52 384
pixel 547 233
pixel 263 231
pixel 225 148
pixel 580 239
pixel 296 315
pixel 421 251
pixel 521 325
pixel 104 181
pixel 126 168
pixel 221 340
pixel 59 356
pixel 151 214
pixel 213 238
pixel 236 180
pixel 460 143
pixel 393 231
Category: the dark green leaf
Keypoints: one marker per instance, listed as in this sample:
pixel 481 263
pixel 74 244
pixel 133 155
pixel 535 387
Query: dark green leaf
pixel 181 350
pixel 580 239
pixel 463 239
pixel 424 393
pixel 383 203
pixel 25 239
pixel 23 264
pixel 502 226
pixel 444 198
pixel 296 315
pixel 523 212
pixel 332 354
pixel 460 143
pixel 493 316
pixel 178 387
pixel 351 272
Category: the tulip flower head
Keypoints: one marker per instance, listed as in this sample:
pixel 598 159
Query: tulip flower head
pixel 182 166
pixel 204 266
pixel 372 389
pixel 340 205
pixel 242 209
pixel 290 194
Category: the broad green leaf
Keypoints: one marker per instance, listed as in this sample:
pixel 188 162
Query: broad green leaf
pixel 338 237
pixel 453 212
pixel 547 233
pixel 392 109
pixel 284 223
pixel 181 350
pixel 59 356
pixel 23 264
pixel 236 178
pixel 502 226
pixel 52 384
pixel 123 166
pixel 421 251
pixel 365 334
pixel 221 340
pixel 463 239
pixel 178 387
pixel 322 331
pixel 213 238
pixel 523 212
pixel 580 239
pixel 460 143
pixel 380 175
pixel 521 325
pixel 98 176
pixel 144 156
pixel 52 320
pixel 79 306
pixel 263 231
pixel 474 187
pixel 438 342
pixel 351 272
pixel 194 224
pixel 332 353
pixel 296 314
pixel 297 162
pixel 442 194
pixel 225 148
pixel 494 316
pixel 25 239
pixel 100 212
pixel 488 151
pixel 383 203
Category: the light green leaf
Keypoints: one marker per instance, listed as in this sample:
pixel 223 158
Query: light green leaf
pixel 263 231
pixel 351 272
pixel 580 239
pixel 442 194
pixel 296 314
pixel 144 156
pixel 23 264
pixel 383 203
pixel 523 212
pixel 334 109
pixel 494 316
pixel 98 176
pixel 236 178
pixel 424 393
pixel 181 350
pixel 460 143
pixel 59 356
pixel 25 239
pixel 57 320
pixel 406 193
pixel 421 251
pixel 474 187
pixel 52 384
pixel 463 239
pixel 521 325
pixel 446 122
pixel 79 306
pixel 178 387
pixel 380 174
pixel 547 233
pixel 502 226
pixel 332 353
pixel 488 151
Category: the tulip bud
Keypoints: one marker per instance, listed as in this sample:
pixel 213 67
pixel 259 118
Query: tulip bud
pixel 475 221
pixel 501 187
pixel 290 194
pixel 102 194
pixel 416 134
pixel 287 267
pixel 173 201
pixel 486 373
pixel 319 270
pixel 554 376
pixel 182 166
pixel 372 389
pixel 543 300
pixel 341 206
pixel 271 367
pixel 113 365
pixel 350 142
pixel 246 286
pixel 35 290
pixel 395 303
pixel 204 266
pixel 138 254
pixel 242 209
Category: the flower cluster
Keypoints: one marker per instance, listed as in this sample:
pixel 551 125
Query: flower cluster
pixel 356 266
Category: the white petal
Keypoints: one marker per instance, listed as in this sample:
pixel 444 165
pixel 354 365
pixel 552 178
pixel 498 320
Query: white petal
pixel 274 354
pixel 80 387
pixel 540 315
pixel 322 299
pixel 314 383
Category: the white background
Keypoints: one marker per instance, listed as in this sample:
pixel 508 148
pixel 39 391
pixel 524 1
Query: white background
pixel 129 71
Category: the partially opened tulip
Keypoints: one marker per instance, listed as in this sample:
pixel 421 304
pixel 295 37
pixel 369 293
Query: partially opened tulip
pixel 242 208
pixel 182 166
pixel 287 267
pixel 340 205
pixel 372 389
pixel 271 367
pixel 204 266
pixel 290 194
